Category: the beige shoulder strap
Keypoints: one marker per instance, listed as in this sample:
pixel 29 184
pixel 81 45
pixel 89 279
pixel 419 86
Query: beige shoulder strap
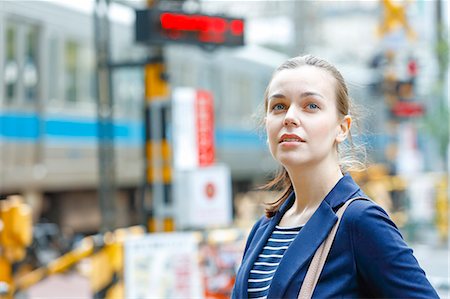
pixel 318 261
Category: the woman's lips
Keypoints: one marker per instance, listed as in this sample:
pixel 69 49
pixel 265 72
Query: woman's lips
pixel 290 138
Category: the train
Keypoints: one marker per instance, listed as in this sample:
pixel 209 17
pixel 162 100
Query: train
pixel 48 116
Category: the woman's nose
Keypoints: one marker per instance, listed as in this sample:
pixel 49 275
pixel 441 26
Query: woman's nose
pixel 291 119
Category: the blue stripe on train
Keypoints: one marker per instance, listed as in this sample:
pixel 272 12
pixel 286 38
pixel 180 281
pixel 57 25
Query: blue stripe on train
pixel 234 138
pixel 21 126
pixel 25 127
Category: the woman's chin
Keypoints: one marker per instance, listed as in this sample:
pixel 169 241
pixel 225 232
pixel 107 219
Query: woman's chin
pixel 289 161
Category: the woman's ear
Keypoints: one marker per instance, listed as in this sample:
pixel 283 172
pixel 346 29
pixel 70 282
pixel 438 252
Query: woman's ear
pixel 344 128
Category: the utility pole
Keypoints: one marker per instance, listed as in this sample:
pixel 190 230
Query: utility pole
pixel 159 215
pixel 107 194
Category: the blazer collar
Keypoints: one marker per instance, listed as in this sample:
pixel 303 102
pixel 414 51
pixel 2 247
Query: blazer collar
pixel 311 236
pixel 345 189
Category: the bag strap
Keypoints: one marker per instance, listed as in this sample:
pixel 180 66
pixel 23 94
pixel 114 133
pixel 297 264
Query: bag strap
pixel 318 261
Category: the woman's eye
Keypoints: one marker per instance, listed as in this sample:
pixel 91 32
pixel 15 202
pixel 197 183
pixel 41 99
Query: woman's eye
pixel 278 107
pixel 312 106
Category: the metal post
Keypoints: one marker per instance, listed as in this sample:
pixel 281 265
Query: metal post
pixel 105 118
pixel 158 154
pixel 158 215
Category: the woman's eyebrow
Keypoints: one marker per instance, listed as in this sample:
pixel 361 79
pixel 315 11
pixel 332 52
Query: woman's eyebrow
pixel 310 94
pixel 276 96
pixel 302 95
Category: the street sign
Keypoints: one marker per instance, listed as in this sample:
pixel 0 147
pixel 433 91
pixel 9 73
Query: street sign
pixel 154 26
pixel 203 197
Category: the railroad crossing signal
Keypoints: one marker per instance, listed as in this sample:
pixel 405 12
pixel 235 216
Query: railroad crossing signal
pixel 395 17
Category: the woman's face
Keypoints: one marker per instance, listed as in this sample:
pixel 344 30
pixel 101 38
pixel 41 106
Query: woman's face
pixel 301 119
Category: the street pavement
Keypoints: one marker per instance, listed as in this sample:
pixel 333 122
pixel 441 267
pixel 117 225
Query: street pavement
pixel 434 260
pixel 61 286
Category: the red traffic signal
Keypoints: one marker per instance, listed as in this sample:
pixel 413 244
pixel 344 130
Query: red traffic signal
pixel 155 26
pixel 408 109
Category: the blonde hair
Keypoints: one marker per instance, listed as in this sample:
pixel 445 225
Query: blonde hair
pixel 351 156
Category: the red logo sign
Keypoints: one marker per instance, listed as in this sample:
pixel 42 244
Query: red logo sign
pixel 210 191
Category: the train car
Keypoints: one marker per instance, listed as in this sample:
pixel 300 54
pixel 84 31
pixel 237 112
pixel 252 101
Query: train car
pixel 48 116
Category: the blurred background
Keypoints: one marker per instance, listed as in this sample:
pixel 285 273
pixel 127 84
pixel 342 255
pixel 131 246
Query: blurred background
pixel 134 117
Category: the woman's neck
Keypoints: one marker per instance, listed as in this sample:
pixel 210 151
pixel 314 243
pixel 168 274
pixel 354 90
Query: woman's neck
pixel 310 185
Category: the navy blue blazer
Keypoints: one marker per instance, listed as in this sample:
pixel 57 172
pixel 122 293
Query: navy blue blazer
pixel 368 259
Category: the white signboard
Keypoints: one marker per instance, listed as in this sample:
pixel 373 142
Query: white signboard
pixel 203 197
pixel 163 265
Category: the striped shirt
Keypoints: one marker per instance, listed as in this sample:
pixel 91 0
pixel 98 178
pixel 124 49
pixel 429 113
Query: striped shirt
pixel 267 262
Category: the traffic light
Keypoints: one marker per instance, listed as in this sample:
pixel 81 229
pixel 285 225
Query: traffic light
pixel 154 26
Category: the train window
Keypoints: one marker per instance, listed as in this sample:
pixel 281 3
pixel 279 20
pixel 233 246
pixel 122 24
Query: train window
pixel 86 81
pixel 54 78
pixel 11 71
pixel 240 102
pixel 30 71
pixel 128 92
pixel 71 70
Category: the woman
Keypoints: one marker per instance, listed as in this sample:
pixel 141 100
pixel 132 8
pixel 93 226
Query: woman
pixel 307 119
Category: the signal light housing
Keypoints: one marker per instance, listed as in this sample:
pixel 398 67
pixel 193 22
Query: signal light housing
pixel 154 26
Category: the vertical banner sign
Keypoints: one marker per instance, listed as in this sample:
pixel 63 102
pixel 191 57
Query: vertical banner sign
pixel 163 265
pixel 193 123
pixel 205 127
pixel 184 127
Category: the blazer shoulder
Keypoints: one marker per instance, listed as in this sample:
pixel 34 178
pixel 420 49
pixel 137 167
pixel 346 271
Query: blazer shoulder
pixel 362 206
pixel 371 227
pixel 365 212
pixel 385 263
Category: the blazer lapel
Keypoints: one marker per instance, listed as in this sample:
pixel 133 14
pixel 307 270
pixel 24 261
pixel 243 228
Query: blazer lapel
pixel 262 235
pixel 302 248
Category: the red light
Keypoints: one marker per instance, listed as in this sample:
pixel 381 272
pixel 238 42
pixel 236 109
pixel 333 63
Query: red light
pixel 171 21
pixel 167 21
pixel 210 29
pixel 237 27
pixel 219 25
pixel 412 68
pixel 408 109
pixel 202 22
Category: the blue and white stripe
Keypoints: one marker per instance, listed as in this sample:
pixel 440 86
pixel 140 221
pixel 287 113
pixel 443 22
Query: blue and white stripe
pixel 268 260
